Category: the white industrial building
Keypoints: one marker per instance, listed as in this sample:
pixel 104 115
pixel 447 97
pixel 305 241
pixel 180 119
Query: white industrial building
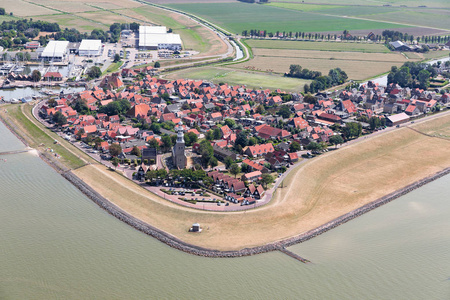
pixel 55 50
pixel 90 48
pixel 156 37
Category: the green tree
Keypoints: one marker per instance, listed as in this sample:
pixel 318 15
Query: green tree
pixel 213 162
pixel 234 169
pixel 115 162
pixel 284 111
pixel 228 162
pixel 153 143
pixel 294 146
pixel 116 58
pixel 157 65
pixel 424 79
pixel 352 129
pixel 241 140
pixel 94 72
pixel 310 99
pixel 217 133
pixel 115 149
pixel 136 151
pixel 36 76
pixel 2 11
pixel 59 118
pixel 167 142
pixel 230 123
pixel 313 146
pixel 336 140
pixel 266 179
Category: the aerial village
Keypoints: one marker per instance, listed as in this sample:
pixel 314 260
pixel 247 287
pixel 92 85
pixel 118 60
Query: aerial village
pixel 202 144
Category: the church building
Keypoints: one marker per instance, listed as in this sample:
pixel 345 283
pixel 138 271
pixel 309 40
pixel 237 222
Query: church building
pixel 178 154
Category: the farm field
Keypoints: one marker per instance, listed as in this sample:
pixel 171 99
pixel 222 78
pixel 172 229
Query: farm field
pixel 393 57
pixel 86 16
pixel 24 9
pixel 72 21
pixel 314 193
pixel 241 77
pixel 237 17
pixel 322 46
pixel 419 18
pixel 355 69
pixel 394 3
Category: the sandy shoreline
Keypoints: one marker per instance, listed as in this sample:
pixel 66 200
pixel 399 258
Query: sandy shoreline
pixel 244 246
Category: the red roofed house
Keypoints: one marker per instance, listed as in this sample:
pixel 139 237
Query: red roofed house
pixel 53 76
pixel 139 111
pixel 258 150
pixel 298 123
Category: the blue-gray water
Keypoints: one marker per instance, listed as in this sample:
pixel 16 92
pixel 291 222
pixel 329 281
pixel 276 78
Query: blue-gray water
pixel 56 244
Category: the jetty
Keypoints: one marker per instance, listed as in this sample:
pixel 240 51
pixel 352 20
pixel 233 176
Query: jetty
pixel 14 152
pixel 293 255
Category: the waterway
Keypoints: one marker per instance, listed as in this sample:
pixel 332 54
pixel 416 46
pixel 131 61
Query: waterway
pixel 57 244
pixel 20 93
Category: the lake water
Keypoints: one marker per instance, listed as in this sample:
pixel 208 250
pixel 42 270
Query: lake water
pixel 56 244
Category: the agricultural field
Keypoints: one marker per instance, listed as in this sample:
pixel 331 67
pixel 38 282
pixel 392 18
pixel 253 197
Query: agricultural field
pixel 394 3
pixel 24 9
pixel 320 46
pixel 86 16
pixel 241 77
pixel 359 60
pixel 238 16
pixel 72 21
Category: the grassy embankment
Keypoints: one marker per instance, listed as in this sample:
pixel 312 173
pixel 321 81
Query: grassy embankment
pixel 317 192
pixel 19 116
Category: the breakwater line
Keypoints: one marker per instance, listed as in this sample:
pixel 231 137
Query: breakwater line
pixel 176 243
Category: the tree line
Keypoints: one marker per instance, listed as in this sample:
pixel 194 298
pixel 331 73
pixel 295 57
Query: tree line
pixel 412 75
pixel 16 33
pixel 320 82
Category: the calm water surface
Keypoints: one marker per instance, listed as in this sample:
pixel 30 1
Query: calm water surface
pixel 56 244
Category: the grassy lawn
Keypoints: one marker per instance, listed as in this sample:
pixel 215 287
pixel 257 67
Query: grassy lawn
pixel 39 137
pixel 114 67
pixel 237 17
pixel 241 77
pixel 320 46
pixel 313 194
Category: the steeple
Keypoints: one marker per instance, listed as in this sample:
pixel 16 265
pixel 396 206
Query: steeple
pixel 180 133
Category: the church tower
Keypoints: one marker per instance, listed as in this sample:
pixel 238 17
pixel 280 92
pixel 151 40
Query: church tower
pixel 178 155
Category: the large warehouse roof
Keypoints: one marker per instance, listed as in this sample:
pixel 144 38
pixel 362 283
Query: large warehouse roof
pixel 90 45
pixel 55 49
pixel 152 29
pixel 152 36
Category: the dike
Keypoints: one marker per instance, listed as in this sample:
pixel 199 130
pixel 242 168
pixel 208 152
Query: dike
pixel 200 251
pixel 195 250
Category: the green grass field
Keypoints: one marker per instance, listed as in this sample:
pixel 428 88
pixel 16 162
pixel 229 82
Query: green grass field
pixel 320 46
pixel 241 77
pixel 408 3
pixel 237 17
